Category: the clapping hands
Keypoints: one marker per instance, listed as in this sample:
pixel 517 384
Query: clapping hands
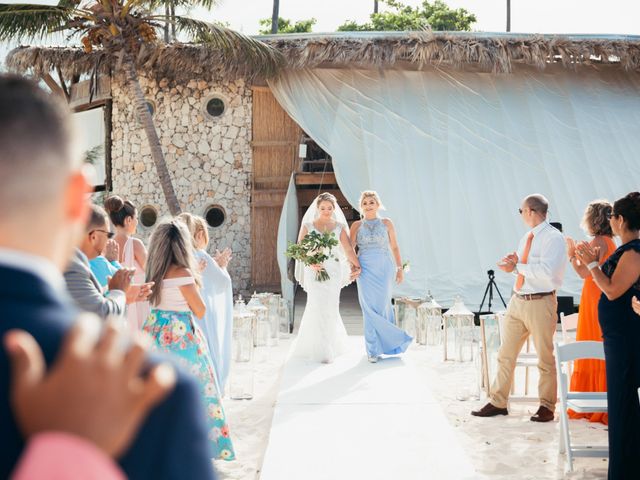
pixel 635 304
pixel 587 254
pixel 223 258
pixel 508 262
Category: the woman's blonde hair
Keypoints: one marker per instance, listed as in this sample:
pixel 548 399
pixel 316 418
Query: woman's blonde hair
pixel 195 224
pixel 170 245
pixel 327 197
pixel 595 220
pixel 370 194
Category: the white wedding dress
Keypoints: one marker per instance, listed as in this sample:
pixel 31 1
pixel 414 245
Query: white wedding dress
pixel 322 336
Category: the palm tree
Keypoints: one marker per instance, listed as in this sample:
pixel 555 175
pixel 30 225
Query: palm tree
pixel 274 16
pixel 121 28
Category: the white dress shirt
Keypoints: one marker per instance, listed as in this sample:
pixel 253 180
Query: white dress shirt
pixel 547 260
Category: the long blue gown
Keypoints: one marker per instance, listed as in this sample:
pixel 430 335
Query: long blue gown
pixel 375 286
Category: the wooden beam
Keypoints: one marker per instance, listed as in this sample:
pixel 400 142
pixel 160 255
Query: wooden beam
pixel 273 143
pixel 53 85
pixel 260 88
pixel 308 178
pixel 305 197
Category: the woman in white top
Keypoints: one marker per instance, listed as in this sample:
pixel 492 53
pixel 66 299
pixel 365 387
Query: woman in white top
pixel 217 293
pixel 133 254
pixel 175 304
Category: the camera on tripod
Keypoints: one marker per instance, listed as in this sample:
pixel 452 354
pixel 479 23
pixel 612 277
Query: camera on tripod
pixel 491 284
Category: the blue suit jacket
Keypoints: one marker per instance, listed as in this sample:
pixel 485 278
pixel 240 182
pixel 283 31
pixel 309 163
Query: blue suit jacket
pixel 172 443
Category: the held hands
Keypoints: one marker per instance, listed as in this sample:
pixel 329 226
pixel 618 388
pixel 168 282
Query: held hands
pixel 112 250
pixel 95 389
pixel 587 254
pixel 316 267
pixel 356 270
pixel 508 262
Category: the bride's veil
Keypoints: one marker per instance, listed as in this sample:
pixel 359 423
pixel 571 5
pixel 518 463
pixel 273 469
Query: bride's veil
pixel 307 221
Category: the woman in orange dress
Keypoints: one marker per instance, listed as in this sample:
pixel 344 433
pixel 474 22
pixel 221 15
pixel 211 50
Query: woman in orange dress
pixel 589 375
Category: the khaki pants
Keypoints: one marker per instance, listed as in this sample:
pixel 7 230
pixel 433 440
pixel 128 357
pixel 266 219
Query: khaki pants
pixel 523 318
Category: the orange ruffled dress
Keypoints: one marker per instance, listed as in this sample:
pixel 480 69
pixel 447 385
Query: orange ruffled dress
pixel 589 375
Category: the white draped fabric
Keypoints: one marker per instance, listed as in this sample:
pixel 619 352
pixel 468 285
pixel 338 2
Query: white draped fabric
pixel 452 153
pixel 287 232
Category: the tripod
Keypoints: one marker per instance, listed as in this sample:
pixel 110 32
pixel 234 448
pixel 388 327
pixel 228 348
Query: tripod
pixel 490 285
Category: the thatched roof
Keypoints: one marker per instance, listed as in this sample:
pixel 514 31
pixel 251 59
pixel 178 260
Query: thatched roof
pixel 497 53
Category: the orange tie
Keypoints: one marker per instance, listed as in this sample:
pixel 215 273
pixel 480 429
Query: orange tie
pixel 525 257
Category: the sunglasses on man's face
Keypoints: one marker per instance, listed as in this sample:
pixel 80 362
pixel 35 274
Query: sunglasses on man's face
pixel 521 210
pixel 609 215
pixel 109 235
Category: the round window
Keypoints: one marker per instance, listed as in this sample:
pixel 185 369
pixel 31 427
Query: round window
pixel 215 107
pixel 148 216
pixel 215 216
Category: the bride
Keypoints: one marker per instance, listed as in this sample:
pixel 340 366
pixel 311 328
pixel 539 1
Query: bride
pixel 322 336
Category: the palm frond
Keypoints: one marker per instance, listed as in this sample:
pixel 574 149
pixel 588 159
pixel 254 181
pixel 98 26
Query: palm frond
pixel 20 21
pixel 235 46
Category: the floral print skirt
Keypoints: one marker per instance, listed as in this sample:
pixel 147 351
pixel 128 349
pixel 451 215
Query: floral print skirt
pixel 178 333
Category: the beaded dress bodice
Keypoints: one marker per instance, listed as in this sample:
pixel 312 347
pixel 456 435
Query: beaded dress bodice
pixel 372 235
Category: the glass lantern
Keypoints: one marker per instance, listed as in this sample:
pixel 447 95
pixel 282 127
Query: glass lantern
pixel 262 331
pixel 283 317
pixel 429 323
pixel 458 332
pixel 241 374
pixel 406 314
pixel 272 301
pixel 490 342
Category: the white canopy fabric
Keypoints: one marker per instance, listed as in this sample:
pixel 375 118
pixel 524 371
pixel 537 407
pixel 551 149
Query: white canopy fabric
pixel 452 154
pixel 287 232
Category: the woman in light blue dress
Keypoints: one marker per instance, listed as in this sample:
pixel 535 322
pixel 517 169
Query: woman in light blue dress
pixel 217 293
pixel 381 264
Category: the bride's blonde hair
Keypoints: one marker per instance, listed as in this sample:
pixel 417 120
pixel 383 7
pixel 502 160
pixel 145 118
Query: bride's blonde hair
pixel 370 194
pixel 327 197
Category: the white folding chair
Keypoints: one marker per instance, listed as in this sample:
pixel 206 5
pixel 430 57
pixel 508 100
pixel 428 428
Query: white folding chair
pixel 581 402
pixel 569 324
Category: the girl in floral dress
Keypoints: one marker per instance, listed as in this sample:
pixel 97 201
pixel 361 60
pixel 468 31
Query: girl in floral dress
pixel 174 303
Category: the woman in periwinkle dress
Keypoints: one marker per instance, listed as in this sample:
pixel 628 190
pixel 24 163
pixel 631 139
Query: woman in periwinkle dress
pixel 381 263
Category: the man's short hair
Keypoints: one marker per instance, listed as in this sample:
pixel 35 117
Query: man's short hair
pixel 97 218
pixel 538 203
pixel 35 145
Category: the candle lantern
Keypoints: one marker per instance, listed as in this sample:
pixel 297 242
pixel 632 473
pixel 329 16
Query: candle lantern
pixel 429 322
pixel 406 314
pixel 262 331
pixel 284 319
pixel 458 332
pixel 272 302
pixel 241 375
pixel 490 342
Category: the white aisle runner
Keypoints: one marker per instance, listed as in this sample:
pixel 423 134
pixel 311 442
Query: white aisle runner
pixel 354 420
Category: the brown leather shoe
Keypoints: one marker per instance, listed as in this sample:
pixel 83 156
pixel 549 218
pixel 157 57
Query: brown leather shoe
pixel 543 415
pixel 489 410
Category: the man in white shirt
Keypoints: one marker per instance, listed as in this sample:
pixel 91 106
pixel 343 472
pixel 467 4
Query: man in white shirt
pixel 538 265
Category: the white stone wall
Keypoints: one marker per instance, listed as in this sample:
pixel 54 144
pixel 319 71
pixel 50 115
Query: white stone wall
pixel 209 159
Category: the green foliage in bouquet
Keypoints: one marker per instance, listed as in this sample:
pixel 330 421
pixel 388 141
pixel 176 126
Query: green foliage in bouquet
pixel 314 249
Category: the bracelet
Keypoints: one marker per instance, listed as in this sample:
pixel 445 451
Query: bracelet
pixel 592 265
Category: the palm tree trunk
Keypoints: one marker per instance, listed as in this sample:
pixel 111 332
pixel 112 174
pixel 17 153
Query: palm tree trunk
pixel 167 15
pixel 274 16
pixel 173 21
pixel 508 15
pixel 144 116
pixel 375 6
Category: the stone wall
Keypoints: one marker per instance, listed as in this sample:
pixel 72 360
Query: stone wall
pixel 209 158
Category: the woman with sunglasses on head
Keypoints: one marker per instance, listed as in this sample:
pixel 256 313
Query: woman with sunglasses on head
pixel 619 280
pixel 589 375
pixel 133 254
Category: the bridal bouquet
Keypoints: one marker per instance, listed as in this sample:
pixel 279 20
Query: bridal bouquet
pixel 314 249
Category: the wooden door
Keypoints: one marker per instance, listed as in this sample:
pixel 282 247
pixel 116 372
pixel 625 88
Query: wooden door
pixel 275 155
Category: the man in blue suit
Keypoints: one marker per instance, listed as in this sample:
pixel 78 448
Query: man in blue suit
pixel 43 210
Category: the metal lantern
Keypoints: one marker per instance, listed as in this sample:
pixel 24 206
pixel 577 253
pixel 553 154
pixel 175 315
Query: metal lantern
pixel 458 333
pixel 241 375
pixel 406 314
pixel 262 331
pixel 429 323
